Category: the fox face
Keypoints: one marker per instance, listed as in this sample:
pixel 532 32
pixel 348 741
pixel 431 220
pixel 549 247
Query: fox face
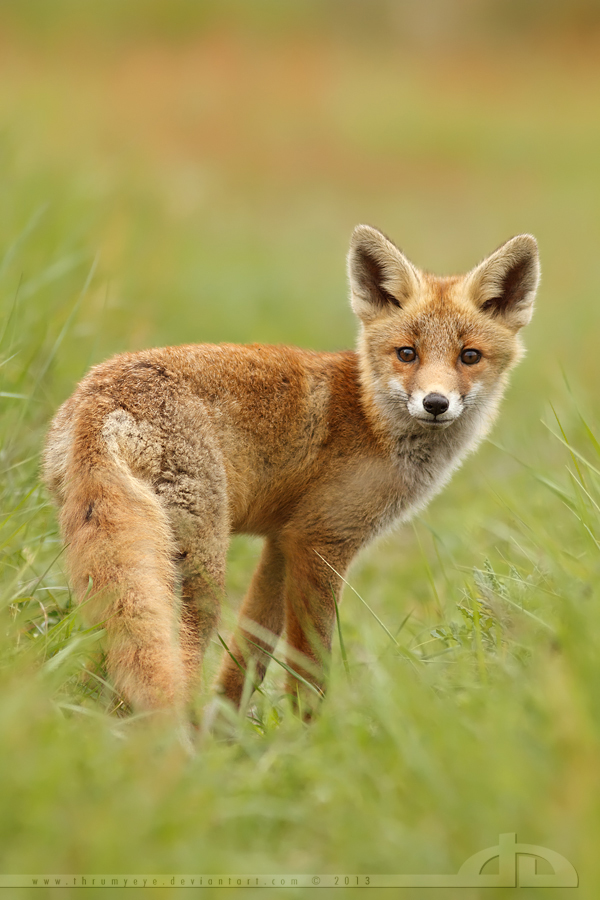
pixel 434 350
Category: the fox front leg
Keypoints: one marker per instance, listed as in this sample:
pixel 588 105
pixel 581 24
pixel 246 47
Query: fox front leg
pixel 312 589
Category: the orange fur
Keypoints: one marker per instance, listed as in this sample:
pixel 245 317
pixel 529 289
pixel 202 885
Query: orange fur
pixel 160 456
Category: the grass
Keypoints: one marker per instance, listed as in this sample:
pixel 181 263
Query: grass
pixel 158 191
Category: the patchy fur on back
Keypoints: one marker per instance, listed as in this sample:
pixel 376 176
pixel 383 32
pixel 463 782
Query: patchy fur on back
pixel 159 456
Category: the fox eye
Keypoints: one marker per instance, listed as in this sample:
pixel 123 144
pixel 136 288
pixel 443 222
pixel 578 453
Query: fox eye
pixel 470 357
pixel 406 354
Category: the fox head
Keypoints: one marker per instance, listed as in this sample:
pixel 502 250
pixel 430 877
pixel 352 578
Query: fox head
pixel 432 349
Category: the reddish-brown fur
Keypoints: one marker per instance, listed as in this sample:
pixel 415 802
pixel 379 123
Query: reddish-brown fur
pixel 159 456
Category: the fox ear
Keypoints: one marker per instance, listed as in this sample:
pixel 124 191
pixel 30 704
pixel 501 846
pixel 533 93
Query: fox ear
pixel 504 284
pixel 381 278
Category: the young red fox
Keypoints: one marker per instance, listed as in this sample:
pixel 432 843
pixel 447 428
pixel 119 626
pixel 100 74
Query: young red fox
pixel 160 456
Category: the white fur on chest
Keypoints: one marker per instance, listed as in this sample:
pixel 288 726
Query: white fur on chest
pixel 423 463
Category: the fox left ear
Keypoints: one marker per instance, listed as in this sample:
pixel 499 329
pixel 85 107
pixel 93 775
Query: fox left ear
pixel 504 285
pixel 381 277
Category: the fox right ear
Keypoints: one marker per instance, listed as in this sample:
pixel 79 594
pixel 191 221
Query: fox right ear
pixel 504 285
pixel 381 278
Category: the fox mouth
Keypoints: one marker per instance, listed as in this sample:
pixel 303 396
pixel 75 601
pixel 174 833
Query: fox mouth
pixel 433 423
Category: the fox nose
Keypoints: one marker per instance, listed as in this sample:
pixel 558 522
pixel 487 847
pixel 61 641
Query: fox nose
pixel 436 404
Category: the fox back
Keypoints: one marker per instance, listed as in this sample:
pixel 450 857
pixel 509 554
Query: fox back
pixel 159 456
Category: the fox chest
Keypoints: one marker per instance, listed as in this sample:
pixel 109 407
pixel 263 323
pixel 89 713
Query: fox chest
pixel 362 498
pixel 422 468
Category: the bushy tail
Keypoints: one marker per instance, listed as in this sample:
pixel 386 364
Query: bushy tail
pixel 120 552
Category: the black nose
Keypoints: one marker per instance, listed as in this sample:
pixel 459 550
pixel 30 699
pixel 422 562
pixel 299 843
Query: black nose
pixel 436 404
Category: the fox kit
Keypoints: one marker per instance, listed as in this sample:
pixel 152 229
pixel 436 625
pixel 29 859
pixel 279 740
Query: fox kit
pixel 159 456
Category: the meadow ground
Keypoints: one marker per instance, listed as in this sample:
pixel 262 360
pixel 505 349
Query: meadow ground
pixel 201 184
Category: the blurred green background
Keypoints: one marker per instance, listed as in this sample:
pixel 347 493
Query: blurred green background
pixel 192 171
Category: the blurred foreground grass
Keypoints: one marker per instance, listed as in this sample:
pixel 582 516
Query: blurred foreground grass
pixel 204 189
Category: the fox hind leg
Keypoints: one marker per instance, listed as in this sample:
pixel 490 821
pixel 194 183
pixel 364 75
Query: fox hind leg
pixel 203 585
pixel 262 607
pixel 193 491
